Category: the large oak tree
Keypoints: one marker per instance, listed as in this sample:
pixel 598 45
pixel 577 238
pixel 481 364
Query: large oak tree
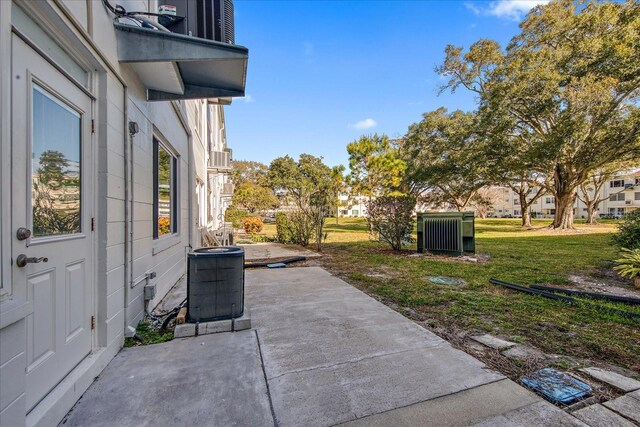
pixel 445 158
pixel 566 91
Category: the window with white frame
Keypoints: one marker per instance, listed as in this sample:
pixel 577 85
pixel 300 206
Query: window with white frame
pixel 637 195
pixel 618 197
pixel 616 183
pixel 165 189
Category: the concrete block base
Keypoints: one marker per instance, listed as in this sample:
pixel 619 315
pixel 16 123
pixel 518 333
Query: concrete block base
pixel 616 380
pixel 205 328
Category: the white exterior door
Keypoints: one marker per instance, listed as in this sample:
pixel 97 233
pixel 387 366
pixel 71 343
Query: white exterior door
pixel 52 207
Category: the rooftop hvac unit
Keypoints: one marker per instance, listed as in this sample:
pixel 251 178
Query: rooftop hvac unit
pixel 215 283
pixel 446 232
pixel 206 19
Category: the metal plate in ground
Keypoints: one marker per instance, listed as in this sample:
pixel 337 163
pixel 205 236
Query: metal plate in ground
pixel 442 280
pixel 556 386
pixel 277 265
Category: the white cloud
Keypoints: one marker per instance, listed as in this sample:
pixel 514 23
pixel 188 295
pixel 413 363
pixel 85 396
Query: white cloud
pixel 364 124
pixel 508 9
pixel 248 99
pixel 473 8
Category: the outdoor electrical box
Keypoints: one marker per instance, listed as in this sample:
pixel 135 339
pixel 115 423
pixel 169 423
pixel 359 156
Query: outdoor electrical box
pixel 446 232
pixel 206 19
pixel 149 291
pixel 215 283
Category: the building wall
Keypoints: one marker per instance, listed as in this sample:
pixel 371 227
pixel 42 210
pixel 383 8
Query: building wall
pixel 351 206
pixel 123 166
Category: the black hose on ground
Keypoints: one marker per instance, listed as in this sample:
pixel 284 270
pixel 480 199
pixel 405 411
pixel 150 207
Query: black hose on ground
pixel 616 298
pixel 533 291
pixel 265 264
pixel 172 314
pixel 568 300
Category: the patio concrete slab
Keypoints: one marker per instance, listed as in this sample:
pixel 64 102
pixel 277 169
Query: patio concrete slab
pixel 534 415
pixel 598 415
pixel 614 379
pixel 627 406
pixel 322 353
pixel 332 354
pixel 493 342
pixel 213 380
pixel 457 409
pixel 275 250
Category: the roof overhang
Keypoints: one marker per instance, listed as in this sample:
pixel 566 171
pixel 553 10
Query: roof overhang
pixel 174 66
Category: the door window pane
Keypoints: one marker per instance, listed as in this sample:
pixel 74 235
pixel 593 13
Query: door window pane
pixel 55 167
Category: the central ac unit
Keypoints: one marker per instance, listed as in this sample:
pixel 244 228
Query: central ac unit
pixel 206 19
pixel 446 232
pixel 215 283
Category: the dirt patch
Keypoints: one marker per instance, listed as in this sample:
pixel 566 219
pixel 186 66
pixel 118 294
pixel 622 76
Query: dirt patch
pixel 604 281
pixel 467 258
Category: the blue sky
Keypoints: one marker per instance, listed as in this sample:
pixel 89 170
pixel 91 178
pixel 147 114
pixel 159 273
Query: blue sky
pixel 323 73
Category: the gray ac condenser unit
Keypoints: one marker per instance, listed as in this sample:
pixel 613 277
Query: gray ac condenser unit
pixel 215 283
pixel 206 19
pixel 446 232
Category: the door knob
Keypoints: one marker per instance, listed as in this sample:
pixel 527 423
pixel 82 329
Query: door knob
pixel 22 260
pixel 23 233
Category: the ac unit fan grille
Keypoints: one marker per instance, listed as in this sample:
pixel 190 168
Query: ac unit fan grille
pixel 229 31
pixel 442 234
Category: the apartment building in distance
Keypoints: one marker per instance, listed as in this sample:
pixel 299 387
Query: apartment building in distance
pixel 620 195
pixel 352 205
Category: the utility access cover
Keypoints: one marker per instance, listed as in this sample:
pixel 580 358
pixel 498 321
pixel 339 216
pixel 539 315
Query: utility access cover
pixel 556 386
pixel 442 280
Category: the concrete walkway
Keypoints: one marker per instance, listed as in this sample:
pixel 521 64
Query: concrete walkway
pixel 333 355
pixel 261 251
pixel 322 353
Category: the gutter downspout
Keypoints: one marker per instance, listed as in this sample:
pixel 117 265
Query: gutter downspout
pixel 189 189
pixel 133 129
pixel 127 228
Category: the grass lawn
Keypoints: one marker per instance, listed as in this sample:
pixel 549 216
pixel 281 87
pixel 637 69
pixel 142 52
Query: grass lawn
pixel 520 256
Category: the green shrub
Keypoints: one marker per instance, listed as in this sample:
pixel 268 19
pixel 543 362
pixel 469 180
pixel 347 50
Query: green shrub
pixel 628 235
pixel 285 232
pixel 235 216
pixel 261 238
pixel 252 224
pixel 390 219
pixel 293 227
pixel 629 264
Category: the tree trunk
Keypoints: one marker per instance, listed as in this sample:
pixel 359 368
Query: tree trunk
pixel 525 210
pixel 565 198
pixel 563 218
pixel 592 208
pixel 526 216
